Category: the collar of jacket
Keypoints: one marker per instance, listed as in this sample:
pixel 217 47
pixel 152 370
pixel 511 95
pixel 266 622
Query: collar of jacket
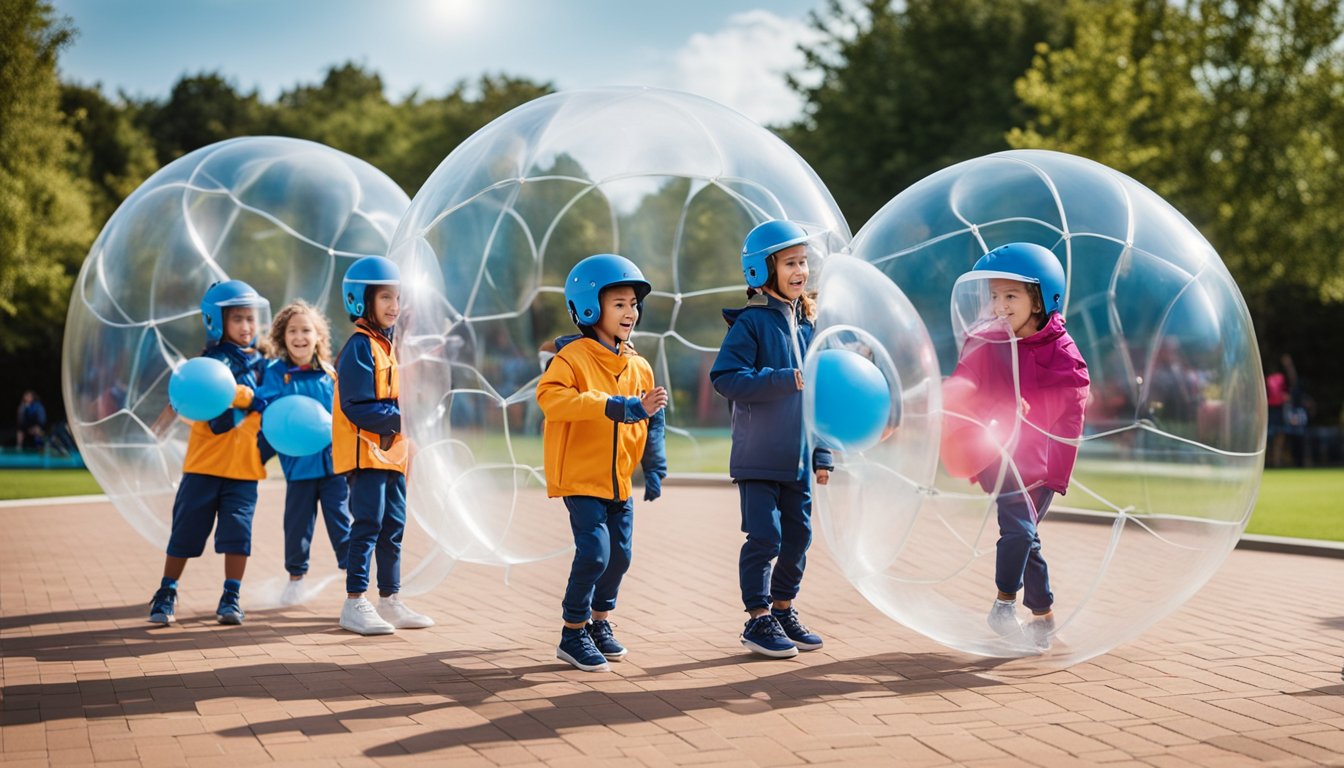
pixel 612 362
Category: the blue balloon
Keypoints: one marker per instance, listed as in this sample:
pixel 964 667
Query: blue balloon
pixel 296 425
pixel 201 388
pixel 851 400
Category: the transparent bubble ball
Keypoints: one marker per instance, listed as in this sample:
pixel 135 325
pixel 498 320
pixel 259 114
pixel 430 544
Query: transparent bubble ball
pixel 286 216
pixel 1172 448
pixel 669 180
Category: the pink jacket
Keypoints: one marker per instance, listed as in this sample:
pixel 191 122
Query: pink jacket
pixel 1054 383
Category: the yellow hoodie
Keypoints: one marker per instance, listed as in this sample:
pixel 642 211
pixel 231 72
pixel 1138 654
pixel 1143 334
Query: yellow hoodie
pixel 586 453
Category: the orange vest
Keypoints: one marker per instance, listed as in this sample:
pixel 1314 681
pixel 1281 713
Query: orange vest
pixel 586 453
pixel 233 454
pixel 355 448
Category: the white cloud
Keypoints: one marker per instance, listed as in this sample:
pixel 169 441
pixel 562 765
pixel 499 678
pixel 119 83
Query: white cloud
pixel 743 65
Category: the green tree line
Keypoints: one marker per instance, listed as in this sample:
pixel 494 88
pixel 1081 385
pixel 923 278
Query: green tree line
pixel 1231 110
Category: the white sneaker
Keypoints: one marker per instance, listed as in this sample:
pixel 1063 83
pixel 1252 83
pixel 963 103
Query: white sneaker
pixel 1039 629
pixel 358 616
pixel 1003 618
pixel 399 615
pixel 293 592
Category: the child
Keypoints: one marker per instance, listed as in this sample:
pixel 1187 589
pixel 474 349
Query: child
pixel 223 462
pixel 759 369
pixel 367 446
pixel 303 367
pixel 1019 360
pixel 602 411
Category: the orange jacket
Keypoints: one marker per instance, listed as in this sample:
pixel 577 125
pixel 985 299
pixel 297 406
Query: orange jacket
pixel 233 453
pixel 587 453
pixel 353 447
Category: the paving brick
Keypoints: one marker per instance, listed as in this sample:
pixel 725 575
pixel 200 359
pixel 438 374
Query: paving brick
pixel 84 680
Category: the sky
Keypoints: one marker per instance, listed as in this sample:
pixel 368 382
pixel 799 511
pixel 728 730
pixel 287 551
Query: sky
pixel 733 51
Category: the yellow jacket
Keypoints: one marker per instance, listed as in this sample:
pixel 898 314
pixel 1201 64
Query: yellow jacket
pixel 587 453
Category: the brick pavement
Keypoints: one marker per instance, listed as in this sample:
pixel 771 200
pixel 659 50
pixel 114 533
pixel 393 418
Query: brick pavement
pixel 1247 673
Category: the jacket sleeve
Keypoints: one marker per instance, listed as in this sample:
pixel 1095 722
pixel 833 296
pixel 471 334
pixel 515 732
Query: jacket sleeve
pixel 736 377
pixel 358 395
pixel 822 458
pixel 560 399
pixel 1061 455
pixel 655 448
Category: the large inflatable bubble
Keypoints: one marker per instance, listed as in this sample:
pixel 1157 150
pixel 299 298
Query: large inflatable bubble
pixel 669 180
pixel 1169 461
pixel 284 215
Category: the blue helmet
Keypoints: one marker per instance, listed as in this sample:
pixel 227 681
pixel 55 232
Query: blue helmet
pixel 1029 263
pixel 764 241
pixel 370 270
pixel 583 287
pixel 228 293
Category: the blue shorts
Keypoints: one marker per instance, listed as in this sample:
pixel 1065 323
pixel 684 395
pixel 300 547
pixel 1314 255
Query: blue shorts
pixel 202 498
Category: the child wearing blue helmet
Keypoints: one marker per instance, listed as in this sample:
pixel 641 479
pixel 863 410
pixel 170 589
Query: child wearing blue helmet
pixel 759 369
pixel 1027 379
pixel 223 461
pixel 368 447
pixel 603 413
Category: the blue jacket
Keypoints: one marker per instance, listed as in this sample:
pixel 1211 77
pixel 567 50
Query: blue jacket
pixel 280 379
pixel 755 370
pixel 246 366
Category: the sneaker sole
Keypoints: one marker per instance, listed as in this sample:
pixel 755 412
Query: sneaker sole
pixel 411 624
pixel 807 646
pixel 787 653
pixel 368 631
pixel 614 656
pixel 561 655
pixel 159 618
pixel 232 619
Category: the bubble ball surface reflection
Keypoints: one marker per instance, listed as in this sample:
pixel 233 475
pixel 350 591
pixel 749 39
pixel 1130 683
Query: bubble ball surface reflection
pixel 672 182
pixel 1170 459
pixel 284 215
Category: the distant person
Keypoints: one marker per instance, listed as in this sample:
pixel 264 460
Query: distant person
pixel 1276 397
pixel 31 421
pixel 1296 413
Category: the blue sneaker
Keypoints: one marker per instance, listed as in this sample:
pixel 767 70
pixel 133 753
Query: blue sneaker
pixel 795 630
pixel 605 640
pixel 765 636
pixel 161 607
pixel 576 647
pixel 228 611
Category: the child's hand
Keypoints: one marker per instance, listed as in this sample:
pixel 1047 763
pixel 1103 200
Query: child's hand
pixel 242 396
pixel 653 400
pixel 798 378
pixel 823 476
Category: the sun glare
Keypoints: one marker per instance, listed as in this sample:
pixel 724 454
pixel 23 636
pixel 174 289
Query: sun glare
pixel 451 14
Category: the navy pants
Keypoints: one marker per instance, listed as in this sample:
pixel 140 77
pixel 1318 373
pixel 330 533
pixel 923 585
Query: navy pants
pixel 302 499
pixel 1018 563
pixel 378 509
pixel 777 518
pixel 602 534
pixel 200 500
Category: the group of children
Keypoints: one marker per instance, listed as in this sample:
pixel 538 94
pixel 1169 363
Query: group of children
pixel 358 481
pixel 604 414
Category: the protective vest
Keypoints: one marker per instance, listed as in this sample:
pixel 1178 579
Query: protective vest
pixel 585 452
pixel 354 448
pixel 233 454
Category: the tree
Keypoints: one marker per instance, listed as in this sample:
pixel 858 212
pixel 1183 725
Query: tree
pixel 118 156
pixel 45 226
pixel 906 89
pixel 1230 111
pixel 201 110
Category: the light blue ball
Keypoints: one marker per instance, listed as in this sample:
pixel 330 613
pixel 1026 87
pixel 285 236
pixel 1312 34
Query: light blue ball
pixel 201 388
pixel 296 425
pixel 852 401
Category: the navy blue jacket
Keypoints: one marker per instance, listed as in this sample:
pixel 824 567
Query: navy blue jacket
pixel 246 366
pixel 359 400
pixel 755 370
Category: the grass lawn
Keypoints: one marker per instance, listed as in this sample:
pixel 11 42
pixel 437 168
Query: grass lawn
pixel 1299 503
